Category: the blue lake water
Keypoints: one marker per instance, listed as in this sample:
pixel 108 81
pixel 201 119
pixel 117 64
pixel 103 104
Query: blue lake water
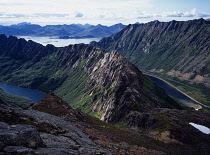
pixel 58 42
pixel 32 94
pixel 173 92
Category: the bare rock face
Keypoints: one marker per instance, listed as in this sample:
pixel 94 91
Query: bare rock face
pixel 57 126
pixel 20 135
pixel 117 87
pixel 47 134
pixel 140 120
pixel 19 150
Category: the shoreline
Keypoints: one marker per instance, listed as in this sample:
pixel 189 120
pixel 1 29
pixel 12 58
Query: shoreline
pixel 179 90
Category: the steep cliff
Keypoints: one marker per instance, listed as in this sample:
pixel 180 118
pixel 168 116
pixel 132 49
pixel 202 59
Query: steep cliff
pixel 103 84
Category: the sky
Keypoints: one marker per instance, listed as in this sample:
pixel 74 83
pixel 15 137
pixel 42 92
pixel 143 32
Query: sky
pixel 105 12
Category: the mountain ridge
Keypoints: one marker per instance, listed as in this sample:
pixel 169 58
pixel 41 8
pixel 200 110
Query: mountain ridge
pixel 175 49
pixel 85 76
pixel 62 31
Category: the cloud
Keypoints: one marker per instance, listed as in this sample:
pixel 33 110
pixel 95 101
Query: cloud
pixel 78 14
pixel 49 15
pixel 7 16
pixel 195 13
pixel 192 13
pixel 173 14
pixel 92 11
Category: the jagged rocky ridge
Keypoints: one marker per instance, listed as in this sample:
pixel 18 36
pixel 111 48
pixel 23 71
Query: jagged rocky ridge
pixel 178 48
pixel 100 83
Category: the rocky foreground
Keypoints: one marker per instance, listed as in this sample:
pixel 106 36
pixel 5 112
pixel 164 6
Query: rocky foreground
pixel 51 126
pixel 60 131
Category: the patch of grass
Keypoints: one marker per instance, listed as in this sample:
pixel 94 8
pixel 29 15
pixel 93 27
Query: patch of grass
pixel 73 89
pixel 97 115
pixel 116 134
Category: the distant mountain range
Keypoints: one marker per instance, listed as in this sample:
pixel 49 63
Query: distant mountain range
pixel 63 31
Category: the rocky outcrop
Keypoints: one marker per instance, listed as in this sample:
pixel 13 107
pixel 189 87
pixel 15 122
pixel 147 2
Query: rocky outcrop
pixel 67 135
pixel 46 134
pixel 54 105
pixel 121 89
pixel 20 135
pixel 140 120
pixel 49 134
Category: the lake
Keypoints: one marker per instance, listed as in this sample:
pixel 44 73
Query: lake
pixel 32 94
pixel 173 92
pixel 58 42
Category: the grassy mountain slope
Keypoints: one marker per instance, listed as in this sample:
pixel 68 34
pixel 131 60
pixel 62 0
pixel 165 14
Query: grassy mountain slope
pixel 176 49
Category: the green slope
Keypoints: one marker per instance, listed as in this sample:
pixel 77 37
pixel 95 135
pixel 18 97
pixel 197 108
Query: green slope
pixel 177 50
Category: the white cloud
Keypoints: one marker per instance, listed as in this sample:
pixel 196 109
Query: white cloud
pixel 78 14
pixel 92 11
pixel 173 14
pixel 192 13
pixel 195 13
pixel 67 10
